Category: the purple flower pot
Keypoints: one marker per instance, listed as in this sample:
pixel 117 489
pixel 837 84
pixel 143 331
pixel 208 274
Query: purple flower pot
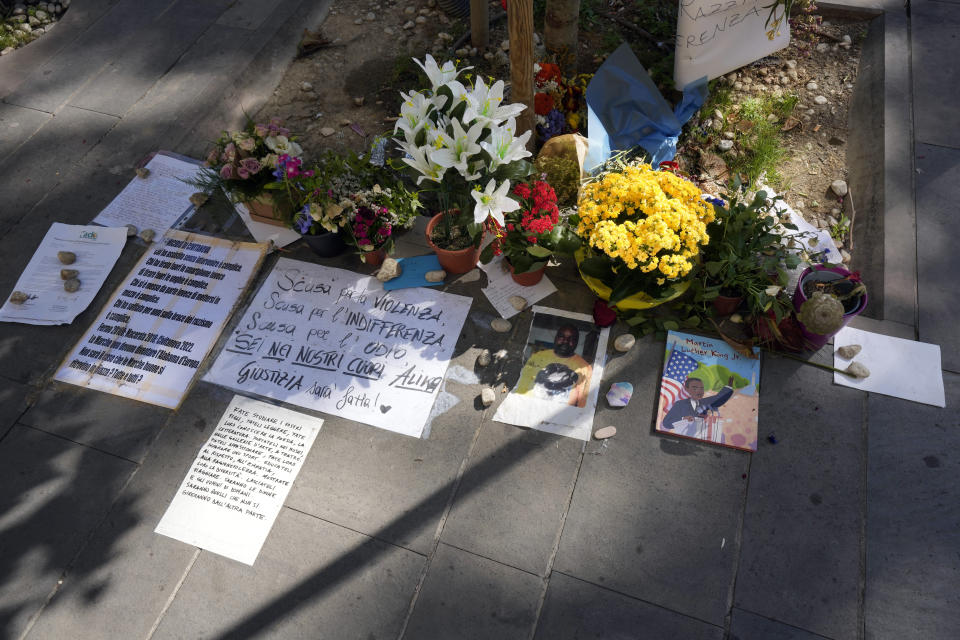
pixel 822 273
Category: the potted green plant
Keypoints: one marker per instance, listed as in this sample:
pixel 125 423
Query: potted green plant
pixel 532 233
pixel 461 141
pixel 250 166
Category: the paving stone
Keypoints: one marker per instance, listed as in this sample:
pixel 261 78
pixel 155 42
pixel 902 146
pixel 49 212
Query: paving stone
pixel 801 548
pixel 749 626
pixel 33 170
pixel 129 76
pixel 384 484
pixel 884 327
pixel 248 14
pixel 938 173
pixel 913 518
pixel 55 493
pixel 113 424
pixel 465 596
pixel 17 124
pixel 126 575
pixel 511 500
pixel 578 610
pixel 655 517
pixel 13 402
pixel 934 26
pixel 338 583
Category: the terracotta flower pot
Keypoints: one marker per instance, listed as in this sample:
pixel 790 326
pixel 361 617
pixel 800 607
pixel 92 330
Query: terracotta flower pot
pixel 528 278
pixel 373 258
pixel 726 305
pixel 459 261
pixel 268 210
pixel 325 245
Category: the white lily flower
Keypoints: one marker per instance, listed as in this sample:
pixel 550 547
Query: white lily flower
pixel 438 75
pixel 772 290
pixel 281 145
pixel 493 202
pixel 421 161
pixel 503 146
pixel 484 104
pixel 458 148
pixel 414 111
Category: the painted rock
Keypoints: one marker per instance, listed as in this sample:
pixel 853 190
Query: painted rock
pixel 66 257
pixel 66 274
pixel 857 370
pixel 18 297
pixel 624 343
pixel 131 230
pixel 487 396
pixel 435 276
pixel 849 351
pixel 517 302
pixel 71 285
pixel 605 432
pixel 198 199
pixel 147 235
pixel 619 394
pixel 389 270
pixel 483 359
pixel 143 172
pixel 500 325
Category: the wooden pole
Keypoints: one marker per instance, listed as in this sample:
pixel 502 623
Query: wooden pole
pixel 520 32
pixel 479 23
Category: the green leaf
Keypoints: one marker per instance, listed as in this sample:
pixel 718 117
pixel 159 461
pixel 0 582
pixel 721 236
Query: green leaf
pixel 671 325
pixel 713 268
pixel 538 251
pixel 597 267
pixel 567 244
pixel 487 254
pixel 692 321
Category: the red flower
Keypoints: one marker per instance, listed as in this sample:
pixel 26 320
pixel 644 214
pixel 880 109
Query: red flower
pixel 548 72
pixel 542 103
pixel 603 315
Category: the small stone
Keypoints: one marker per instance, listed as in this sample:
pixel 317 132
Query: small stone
pixel 388 31
pixel 849 351
pixel 18 297
pixel 604 433
pixel 738 86
pixel 771 117
pixel 358 21
pixel 421 20
pixel 517 302
pixel 142 172
pixel 306 86
pixel 725 145
pixel 71 285
pixel 358 101
pixel 345 123
pixel 500 325
pixel 857 370
pixel 406 25
pixel 488 396
pixel 66 257
pixel 147 235
pixel 812 86
pixel 839 187
pixel 389 270
pixel 67 274
pixel 446 37
pixel 735 318
pixel 505 45
pixel 43 15
pixel 435 276
pixel 845 255
pixel 792 74
pixel 483 358
pixel 717 125
pixel 835 211
pixel 624 342
pixel 790 64
pixel 847 39
pixel 410 10
pixel 820 100
pixel 823 47
pixel 197 199
pixel 729 135
pixel 619 394
pixel 500 355
pixel 370 17
pixel 326 132
pixel 131 230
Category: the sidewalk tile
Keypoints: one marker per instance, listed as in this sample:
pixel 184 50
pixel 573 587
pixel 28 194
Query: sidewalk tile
pixel 54 494
pixel 934 27
pixel 750 626
pixel 248 14
pixel 800 558
pixel 937 179
pixel 655 517
pixel 17 124
pixel 577 610
pixel 471 598
pixel 127 574
pixel 113 424
pixel 913 518
pixel 13 402
pixel 312 579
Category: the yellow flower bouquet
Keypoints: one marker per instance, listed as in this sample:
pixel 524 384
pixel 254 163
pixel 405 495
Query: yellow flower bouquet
pixel 642 231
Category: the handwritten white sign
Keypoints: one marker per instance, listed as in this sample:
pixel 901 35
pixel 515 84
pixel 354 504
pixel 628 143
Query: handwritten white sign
pixel 335 341
pixel 96 250
pixel 150 338
pixel 501 287
pixel 716 37
pixel 235 488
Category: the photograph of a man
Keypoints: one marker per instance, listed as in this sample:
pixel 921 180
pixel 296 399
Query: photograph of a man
pixel 559 370
pixel 688 416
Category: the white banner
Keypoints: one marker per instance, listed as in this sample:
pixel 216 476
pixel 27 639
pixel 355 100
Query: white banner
pixel 150 338
pixel 235 488
pixel 336 341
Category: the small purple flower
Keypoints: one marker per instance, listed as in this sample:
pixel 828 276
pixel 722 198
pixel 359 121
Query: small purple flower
pixel 554 126
pixel 226 172
pixel 303 222
pixel 717 201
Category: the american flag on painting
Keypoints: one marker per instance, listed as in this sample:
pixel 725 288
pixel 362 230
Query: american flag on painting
pixel 679 366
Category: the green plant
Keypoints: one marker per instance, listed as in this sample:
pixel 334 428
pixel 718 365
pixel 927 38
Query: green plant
pixel 839 230
pixel 760 142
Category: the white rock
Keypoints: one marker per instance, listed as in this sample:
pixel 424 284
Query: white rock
pixel 488 396
pixel 306 86
pixel 820 100
pixel 790 64
pixel 812 86
pixel 845 255
pixel 857 370
pixel 358 21
pixel 370 17
pixel 421 20
pixel 738 86
pixel 729 135
pixel 823 47
pixel 725 145
pixel 849 352
pixel 624 342
pixel 132 230
pixel 388 31
pixel 505 45
pixel 326 132
pixel 605 432
pixel 406 25
pixel 839 187
pixel 389 270
pixel 435 276
pixel 483 358
pixel 517 302
pixel 410 10
pixel 847 39
pixel 147 235
pixel 500 325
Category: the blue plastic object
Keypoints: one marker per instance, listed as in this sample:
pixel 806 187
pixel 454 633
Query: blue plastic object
pixel 625 109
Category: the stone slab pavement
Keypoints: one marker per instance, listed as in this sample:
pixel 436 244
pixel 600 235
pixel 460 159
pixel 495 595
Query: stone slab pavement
pixel 847 527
